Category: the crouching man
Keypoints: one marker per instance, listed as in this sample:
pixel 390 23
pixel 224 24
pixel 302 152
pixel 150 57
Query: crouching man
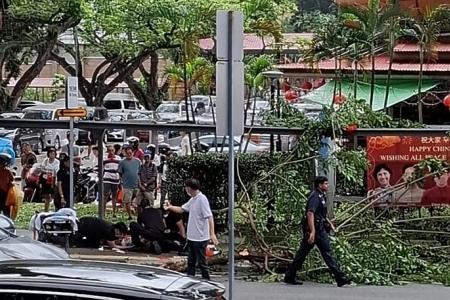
pixel 94 232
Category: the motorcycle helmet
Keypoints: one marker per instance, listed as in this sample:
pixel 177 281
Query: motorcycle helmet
pixel 147 153
pixel 164 148
pixel 133 141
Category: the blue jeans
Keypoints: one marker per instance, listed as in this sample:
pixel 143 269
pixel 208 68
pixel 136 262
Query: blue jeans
pixel 197 255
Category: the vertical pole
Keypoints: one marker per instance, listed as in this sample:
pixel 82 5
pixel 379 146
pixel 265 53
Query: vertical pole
pixel 71 176
pixel 230 160
pixel 101 201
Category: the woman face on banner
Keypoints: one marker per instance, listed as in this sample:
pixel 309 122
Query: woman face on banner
pixel 384 177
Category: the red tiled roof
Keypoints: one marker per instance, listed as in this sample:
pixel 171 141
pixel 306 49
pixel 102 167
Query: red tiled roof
pixel 408 47
pixel 252 42
pixel 381 64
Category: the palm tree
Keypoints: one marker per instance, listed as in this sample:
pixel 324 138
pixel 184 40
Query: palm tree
pixel 426 31
pixel 373 20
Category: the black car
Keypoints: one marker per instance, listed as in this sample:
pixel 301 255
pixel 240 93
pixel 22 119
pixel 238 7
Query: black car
pixel 20 247
pixel 73 279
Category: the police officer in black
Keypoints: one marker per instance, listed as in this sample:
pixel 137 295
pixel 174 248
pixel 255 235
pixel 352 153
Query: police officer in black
pixel 316 227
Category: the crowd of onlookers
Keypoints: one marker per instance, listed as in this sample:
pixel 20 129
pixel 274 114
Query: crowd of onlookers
pixel 135 178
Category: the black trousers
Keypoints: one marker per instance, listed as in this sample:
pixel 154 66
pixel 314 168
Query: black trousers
pixel 197 255
pixel 137 230
pixel 3 208
pixel 322 242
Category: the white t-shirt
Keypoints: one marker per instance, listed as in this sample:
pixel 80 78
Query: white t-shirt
pixel 185 146
pixel 199 213
pixel 48 166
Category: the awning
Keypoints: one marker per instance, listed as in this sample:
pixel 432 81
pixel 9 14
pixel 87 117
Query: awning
pixel 399 91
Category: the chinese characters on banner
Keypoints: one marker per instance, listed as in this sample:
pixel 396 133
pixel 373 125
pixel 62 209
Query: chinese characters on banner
pixel 391 162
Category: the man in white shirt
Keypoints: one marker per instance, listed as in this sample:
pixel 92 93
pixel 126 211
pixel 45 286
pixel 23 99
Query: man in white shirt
pixel 200 228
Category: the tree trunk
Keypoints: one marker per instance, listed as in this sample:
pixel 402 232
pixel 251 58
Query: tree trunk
pixel 419 86
pixel 32 72
pixel 389 74
pixel 372 77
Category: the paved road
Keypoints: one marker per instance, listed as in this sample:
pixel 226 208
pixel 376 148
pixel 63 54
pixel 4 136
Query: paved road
pixel 313 291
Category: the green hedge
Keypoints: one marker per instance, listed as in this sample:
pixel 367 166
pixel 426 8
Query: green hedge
pixel 280 189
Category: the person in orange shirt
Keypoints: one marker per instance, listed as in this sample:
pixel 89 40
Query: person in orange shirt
pixel 6 183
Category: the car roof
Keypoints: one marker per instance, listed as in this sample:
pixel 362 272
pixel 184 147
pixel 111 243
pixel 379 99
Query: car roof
pixel 41 107
pixel 103 274
pixel 119 97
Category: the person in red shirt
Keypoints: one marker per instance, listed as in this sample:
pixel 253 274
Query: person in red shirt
pixel 6 183
pixel 440 193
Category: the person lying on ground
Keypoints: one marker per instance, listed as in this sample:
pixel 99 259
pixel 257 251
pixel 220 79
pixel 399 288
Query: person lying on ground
pixel 95 232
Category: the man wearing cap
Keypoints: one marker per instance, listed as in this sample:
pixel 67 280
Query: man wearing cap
pixel 27 160
pixel 148 179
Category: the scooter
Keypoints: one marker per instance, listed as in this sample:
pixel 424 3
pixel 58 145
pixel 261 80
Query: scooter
pixel 87 185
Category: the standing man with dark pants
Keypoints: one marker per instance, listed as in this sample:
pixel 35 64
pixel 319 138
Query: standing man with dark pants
pixel 316 226
pixel 200 227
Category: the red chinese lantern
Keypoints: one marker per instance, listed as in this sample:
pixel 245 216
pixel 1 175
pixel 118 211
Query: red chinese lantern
pixel 290 95
pixel 446 101
pixel 306 86
pixel 351 128
pixel 339 99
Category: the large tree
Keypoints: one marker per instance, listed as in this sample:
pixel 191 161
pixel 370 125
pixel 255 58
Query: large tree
pixel 29 30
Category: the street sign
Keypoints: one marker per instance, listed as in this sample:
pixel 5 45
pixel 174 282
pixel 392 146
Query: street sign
pixel 237 32
pixel 222 97
pixel 72 92
pixel 72 112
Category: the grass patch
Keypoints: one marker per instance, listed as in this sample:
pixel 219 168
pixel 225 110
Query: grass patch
pixel 29 209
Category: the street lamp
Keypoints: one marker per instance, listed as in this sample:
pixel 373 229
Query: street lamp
pixel 274 76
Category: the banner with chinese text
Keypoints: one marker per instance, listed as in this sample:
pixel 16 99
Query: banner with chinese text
pixel 392 160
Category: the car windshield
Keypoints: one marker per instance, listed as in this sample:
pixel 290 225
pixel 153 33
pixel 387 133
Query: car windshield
pixel 38 115
pixel 129 104
pixel 112 104
pixel 168 108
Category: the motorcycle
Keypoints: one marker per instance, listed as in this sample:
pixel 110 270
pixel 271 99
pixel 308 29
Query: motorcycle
pixel 87 185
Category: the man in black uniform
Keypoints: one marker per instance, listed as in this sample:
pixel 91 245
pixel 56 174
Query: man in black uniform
pixel 315 232
pixel 94 232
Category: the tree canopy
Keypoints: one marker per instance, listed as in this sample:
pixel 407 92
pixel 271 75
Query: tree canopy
pixel 29 31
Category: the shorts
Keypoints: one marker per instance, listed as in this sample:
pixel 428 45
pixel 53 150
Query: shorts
pixel 128 195
pixel 149 195
pixel 110 188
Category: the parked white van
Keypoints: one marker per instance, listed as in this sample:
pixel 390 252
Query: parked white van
pixel 121 102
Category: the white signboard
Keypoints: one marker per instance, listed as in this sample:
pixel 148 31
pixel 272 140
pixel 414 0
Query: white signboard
pixel 72 92
pixel 223 98
pixel 237 33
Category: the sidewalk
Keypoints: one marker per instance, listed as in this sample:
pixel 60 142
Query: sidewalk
pixel 112 256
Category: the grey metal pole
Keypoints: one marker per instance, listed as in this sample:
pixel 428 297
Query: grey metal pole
pixel 71 176
pixel 230 160
pixel 101 201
